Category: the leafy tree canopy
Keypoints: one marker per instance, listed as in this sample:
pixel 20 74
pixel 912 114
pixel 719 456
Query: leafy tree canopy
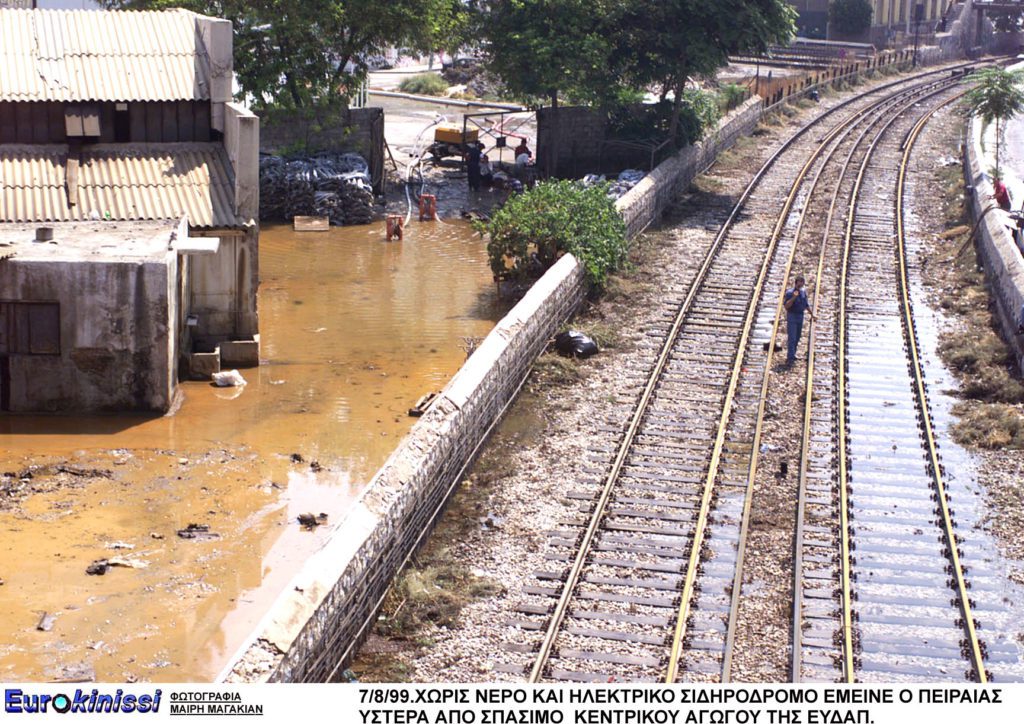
pixel 594 50
pixel 297 53
pixel 850 17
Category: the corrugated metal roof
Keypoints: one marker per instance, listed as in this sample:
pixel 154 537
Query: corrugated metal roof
pixel 82 55
pixel 130 182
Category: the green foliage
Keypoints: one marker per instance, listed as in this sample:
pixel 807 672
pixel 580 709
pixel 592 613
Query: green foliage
pixel 306 53
pixel 530 232
pixel 425 84
pixel 850 17
pixel 698 111
pixel 545 48
pixel 996 96
pixel 732 95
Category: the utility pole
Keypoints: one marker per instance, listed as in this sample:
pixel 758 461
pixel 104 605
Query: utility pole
pixel 918 17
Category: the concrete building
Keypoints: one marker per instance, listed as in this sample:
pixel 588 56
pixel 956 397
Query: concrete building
pixel 891 20
pixel 117 131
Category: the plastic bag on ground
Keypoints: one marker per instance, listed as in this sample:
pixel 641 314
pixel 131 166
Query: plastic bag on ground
pixel 575 344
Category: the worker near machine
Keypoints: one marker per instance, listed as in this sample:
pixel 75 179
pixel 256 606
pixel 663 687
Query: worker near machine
pixel 522 150
pixel 795 302
pixel 473 154
pixel 486 172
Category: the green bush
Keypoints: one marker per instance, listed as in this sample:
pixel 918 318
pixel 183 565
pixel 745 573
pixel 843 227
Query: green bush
pixel 424 84
pixel 699 111
pixel 732 95
pixel 530 232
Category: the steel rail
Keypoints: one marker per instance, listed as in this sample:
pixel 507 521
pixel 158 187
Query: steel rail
pixel 805 447
pixel 920 389
pixel 693 564
pixel 730 639
pixel 849 672
pixel 574 574
pixel 561 608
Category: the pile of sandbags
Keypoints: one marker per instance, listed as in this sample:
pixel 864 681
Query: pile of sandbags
pixel 617 188
pixel 335 185
pixel 626 180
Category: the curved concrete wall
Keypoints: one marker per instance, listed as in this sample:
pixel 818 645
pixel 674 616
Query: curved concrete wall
pixel 1004 266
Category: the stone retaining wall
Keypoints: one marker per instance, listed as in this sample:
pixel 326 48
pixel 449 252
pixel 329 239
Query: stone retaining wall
pixel 1004 266
pixel 644 204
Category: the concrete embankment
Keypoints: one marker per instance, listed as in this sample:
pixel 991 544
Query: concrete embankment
pixel 1004 266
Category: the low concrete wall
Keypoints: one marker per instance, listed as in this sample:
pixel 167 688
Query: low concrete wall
pixel 326 611
pixel 1004 266
pixel 646 202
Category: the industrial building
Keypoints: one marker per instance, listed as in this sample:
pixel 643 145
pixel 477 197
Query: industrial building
pixel 129 194
pixel 892 21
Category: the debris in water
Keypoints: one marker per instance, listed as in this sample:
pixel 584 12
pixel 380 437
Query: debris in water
pixel 98 568
pixel 76 674
pixel 423 404
pixel 46 622
pixel 296 458
pixel 315 466
pixel 197 531
pixel 310 521
pixel 127 563
pixel 156 536
pixel 230 378
pixel 119 545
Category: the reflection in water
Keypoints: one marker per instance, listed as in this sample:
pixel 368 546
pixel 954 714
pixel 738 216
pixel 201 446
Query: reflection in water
pixel 354 330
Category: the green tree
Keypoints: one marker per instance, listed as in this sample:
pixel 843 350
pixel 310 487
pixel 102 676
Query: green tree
pixel 850 17
pixel 315 51
pixel 663 43
pixel 996 96
pixel 544 49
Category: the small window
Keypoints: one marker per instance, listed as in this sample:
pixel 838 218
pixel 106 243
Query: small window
pixel 82 120
pixel 31 328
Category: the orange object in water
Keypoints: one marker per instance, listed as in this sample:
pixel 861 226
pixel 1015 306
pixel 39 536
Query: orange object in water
pixel 428 207
pixel 396 227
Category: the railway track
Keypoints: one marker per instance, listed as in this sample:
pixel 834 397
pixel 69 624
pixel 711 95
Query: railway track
pixel 644 579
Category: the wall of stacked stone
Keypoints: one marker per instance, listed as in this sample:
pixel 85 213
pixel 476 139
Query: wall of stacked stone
pixel 316 624
pixel 1004 266
pixel 644 204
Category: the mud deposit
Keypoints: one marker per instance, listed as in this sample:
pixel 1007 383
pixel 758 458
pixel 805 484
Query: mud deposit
pixel 354 330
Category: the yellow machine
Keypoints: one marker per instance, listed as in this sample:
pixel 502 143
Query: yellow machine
pixel 449 140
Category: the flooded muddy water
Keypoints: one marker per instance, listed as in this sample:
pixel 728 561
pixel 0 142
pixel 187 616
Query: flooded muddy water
pixel 354 330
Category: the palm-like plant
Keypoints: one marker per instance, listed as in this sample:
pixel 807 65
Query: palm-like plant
pixel 996 96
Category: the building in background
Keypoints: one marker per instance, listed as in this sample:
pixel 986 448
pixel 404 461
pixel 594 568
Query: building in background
pixel 892 21
pixel 129 193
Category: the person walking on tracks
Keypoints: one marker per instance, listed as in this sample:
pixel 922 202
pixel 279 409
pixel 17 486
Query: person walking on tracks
pixel 796 304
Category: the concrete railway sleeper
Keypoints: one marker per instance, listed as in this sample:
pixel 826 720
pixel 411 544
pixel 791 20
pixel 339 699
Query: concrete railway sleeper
pixel 664 531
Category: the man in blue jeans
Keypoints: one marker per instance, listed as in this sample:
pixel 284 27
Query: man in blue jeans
pixel 796 304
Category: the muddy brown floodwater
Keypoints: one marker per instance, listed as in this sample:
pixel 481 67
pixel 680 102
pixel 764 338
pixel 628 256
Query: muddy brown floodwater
pixel 354 330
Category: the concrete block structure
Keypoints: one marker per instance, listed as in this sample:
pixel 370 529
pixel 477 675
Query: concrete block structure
pixel 114 124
